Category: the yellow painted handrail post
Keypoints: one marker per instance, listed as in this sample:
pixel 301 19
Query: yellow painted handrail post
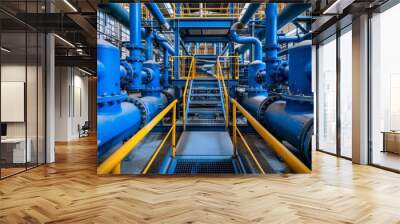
pixel 174 131
pixel 291 160
pixel 234 137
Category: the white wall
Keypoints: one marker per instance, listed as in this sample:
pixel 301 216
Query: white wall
pixel 71 102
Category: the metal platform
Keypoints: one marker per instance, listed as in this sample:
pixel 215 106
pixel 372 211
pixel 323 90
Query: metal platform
pixel 204 143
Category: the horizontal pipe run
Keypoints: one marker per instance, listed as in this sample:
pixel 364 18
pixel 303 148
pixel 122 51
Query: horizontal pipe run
pixel 155 11
pixel 249 40
pixel 251 9
pixel 291 160
pixel 290 12
pixel 114 159
pixel 117 11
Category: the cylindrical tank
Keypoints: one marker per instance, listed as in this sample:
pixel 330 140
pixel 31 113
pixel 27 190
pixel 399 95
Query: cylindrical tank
pixel 115 116
pixel 108 65
pixel 149 106
pixel 300 70
pixel 292 122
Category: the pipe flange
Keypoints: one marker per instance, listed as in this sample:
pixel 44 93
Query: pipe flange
pixel 143 112
pixel 265 104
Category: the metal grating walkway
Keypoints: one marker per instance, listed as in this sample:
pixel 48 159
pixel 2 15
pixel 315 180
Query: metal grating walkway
pixel 196 166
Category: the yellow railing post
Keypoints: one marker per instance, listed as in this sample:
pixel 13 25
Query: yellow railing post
pixel 174 131
pixel 234 137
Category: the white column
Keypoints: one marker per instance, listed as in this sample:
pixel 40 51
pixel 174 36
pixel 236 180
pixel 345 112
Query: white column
pixel 360 90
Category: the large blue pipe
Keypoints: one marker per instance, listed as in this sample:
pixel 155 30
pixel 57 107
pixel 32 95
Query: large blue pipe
pixel 155 11
pixel 117 11
pixel 271 38
pixel 135 58
pixel 290 12
pixel 251 9
pixel 161 39
pixel 115 116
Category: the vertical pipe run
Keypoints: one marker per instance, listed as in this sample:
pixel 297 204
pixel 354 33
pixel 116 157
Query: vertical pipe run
pixel 271 37
pixel 135 47
pixel 149 45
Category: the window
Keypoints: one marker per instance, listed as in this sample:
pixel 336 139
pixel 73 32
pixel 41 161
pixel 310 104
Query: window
pixel 385 89
pixel 327 96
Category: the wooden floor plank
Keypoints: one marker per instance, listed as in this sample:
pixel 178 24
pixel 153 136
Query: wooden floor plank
pixel 69 191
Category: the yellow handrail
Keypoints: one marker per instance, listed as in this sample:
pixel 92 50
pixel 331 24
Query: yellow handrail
pixel 113 162
pixel 220 76
pixel 192 74
pixel 250 152
pixel 291 160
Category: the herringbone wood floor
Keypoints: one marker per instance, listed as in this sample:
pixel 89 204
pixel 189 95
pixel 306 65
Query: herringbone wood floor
pixel 70 192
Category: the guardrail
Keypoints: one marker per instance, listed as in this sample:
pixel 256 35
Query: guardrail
pixel 229 66
pixel 185 63
pixel 291 160
pixel 220 77
pixel 191 75
pixel 113 162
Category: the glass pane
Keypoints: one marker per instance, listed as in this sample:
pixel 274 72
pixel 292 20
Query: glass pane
pixel 13 86
pixel 346 94
pixel 327 96
pixel 385 84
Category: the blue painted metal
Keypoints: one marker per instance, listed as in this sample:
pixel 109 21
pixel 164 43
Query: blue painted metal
pixel 149 45
pixel 163 41
pixel 151 79
pixel 251 9
pixel 256 70
pixel 206 38
pixel 287 15
pixel 116 117
pixel 290 12
pixel 300 70
pixel 135 48
pixel 248 40
pixel 206 23
pixel 177 39
pixel 271 38
pixel 155 11
pixel 117 11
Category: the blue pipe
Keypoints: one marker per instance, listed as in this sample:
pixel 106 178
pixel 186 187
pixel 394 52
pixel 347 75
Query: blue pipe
pixel 161 39
pixel 271 38
pixel 113 111
pixel 155 11
pixel 149 45
pixel 117 11
pixel 251 9
pixel 135 48
pixel 290 12
pixel 247 40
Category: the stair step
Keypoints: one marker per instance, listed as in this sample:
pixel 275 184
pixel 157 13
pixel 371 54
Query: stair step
pixel 206 110
pixel 205 94
pixel 213 102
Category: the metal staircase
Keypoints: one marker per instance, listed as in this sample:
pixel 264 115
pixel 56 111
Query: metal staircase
pixel 205 104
